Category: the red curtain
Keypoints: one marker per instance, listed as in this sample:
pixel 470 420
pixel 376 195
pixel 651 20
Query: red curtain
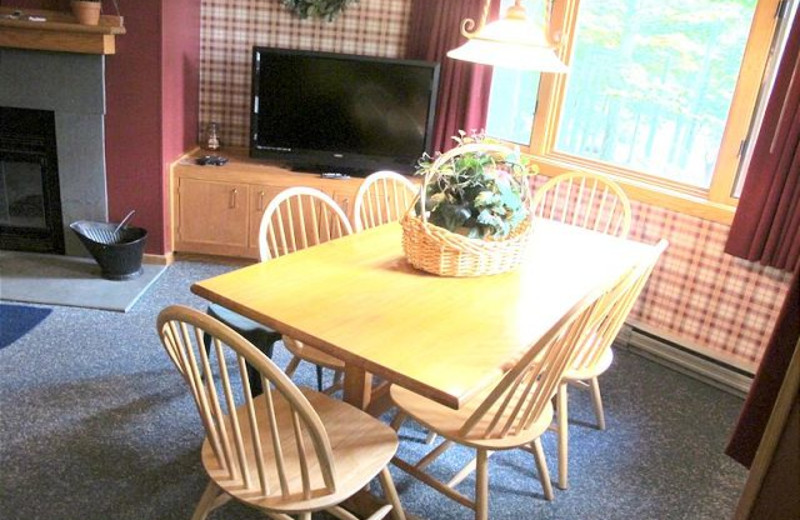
pixel 768 380
pixel 766 227
pixel 463 96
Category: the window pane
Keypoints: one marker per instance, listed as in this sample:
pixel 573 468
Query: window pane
pixel 651 84
pixel 512 98
pixel 512 101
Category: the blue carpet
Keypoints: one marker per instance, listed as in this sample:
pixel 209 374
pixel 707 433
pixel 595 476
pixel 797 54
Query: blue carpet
pixel 18 320
pixel 97 424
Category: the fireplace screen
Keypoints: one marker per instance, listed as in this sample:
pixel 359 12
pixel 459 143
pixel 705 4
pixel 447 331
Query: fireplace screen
pixel 30 203
pixel 22 199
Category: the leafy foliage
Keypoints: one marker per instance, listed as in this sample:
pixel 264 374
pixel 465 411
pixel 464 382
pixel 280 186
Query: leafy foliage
pixel 328 9
pixel 477 194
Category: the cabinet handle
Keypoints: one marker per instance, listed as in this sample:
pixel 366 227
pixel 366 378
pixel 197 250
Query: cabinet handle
pixel 260 200
pixel 234 193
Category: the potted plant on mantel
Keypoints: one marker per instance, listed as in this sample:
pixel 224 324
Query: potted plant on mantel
pixel 86 11
pixel 472 215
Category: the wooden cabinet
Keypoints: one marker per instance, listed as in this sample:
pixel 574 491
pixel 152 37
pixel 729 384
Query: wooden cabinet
pixel 217 210
pixel 211 213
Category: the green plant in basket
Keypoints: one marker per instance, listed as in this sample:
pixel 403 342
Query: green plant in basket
pixel 478 189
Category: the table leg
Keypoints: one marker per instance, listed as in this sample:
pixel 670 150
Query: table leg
pixel 357 386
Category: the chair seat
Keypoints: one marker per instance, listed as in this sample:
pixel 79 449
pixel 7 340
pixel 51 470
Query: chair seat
pixel 312 355
pixel 448 422
pixel 362 446
pixel 586 373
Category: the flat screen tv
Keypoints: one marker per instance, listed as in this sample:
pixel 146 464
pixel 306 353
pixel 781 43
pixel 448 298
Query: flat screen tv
pixel 321 112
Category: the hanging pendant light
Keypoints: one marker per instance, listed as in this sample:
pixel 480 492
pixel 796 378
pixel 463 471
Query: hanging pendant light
pixel 514 42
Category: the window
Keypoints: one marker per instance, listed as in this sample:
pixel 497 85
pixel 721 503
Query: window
pixel 660 94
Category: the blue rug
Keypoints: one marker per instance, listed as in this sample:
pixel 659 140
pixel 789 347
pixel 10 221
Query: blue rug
pixel 18 320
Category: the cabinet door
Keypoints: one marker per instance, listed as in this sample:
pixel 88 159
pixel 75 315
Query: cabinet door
pixel 212 217
pixel 260 196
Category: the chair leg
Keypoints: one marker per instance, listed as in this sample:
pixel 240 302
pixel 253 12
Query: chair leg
pixel 292 366
pixel 207 501
pixel 391 494
pixel 398 420
pixel 597 401
pixel 319 378
pixel 482 487
pixel 430 437
pixel 541 466
pixel 563 435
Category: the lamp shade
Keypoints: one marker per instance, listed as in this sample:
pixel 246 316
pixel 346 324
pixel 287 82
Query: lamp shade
pixel 512 42
pixel 499 54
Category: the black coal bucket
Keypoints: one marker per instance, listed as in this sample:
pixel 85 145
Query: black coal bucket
pixel 117 250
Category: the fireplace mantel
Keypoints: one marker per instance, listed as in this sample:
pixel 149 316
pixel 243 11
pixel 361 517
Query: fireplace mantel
pixel 42 30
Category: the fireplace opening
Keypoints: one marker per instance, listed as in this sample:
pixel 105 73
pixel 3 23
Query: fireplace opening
pixel 30 201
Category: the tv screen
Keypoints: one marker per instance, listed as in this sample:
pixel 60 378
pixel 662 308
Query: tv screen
pixel 341 113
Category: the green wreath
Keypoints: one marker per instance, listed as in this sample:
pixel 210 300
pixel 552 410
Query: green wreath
pixel 317 8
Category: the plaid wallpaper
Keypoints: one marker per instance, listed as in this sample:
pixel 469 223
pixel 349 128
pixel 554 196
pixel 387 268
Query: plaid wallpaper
pixel 230 28
pixel 700 294
pixel 697 293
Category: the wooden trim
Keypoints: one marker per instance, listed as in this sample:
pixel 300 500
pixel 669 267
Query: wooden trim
pixel 743 103
pixel 769 441
pixel 165 259
pixel 59 31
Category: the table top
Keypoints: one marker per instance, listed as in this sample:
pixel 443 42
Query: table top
pixel 358 299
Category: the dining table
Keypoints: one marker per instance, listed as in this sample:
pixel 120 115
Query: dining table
pixel 446 338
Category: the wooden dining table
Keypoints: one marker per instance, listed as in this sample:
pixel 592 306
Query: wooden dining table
pixel 357 298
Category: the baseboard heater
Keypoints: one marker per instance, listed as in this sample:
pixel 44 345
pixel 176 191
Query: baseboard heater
pixel 690 360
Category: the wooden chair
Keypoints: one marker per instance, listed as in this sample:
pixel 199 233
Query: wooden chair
pixel 295 219
pixel 584 199
pixel 594 355
pixel 287 451
pixel 514 413
pixel 383 197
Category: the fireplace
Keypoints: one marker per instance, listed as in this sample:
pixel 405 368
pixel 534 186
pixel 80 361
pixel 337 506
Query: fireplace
pixel 30 200
pixel 52 157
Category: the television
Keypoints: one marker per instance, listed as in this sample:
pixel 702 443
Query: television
pixel 325 112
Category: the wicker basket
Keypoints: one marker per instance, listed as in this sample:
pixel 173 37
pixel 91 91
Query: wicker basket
pixel 436 250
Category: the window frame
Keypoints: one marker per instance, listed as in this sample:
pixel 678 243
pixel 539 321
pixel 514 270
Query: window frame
pixel 715 203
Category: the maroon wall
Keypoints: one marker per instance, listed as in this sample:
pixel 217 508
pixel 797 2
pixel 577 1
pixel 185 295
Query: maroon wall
pixel 152 89
pixel 180 103
pixel 133 122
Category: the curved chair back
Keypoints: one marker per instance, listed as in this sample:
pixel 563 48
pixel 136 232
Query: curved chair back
pixel 298 218
pixel 257 444
pixel 584 199
pixel 604 327
pixel 383 197
pixel 526 390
